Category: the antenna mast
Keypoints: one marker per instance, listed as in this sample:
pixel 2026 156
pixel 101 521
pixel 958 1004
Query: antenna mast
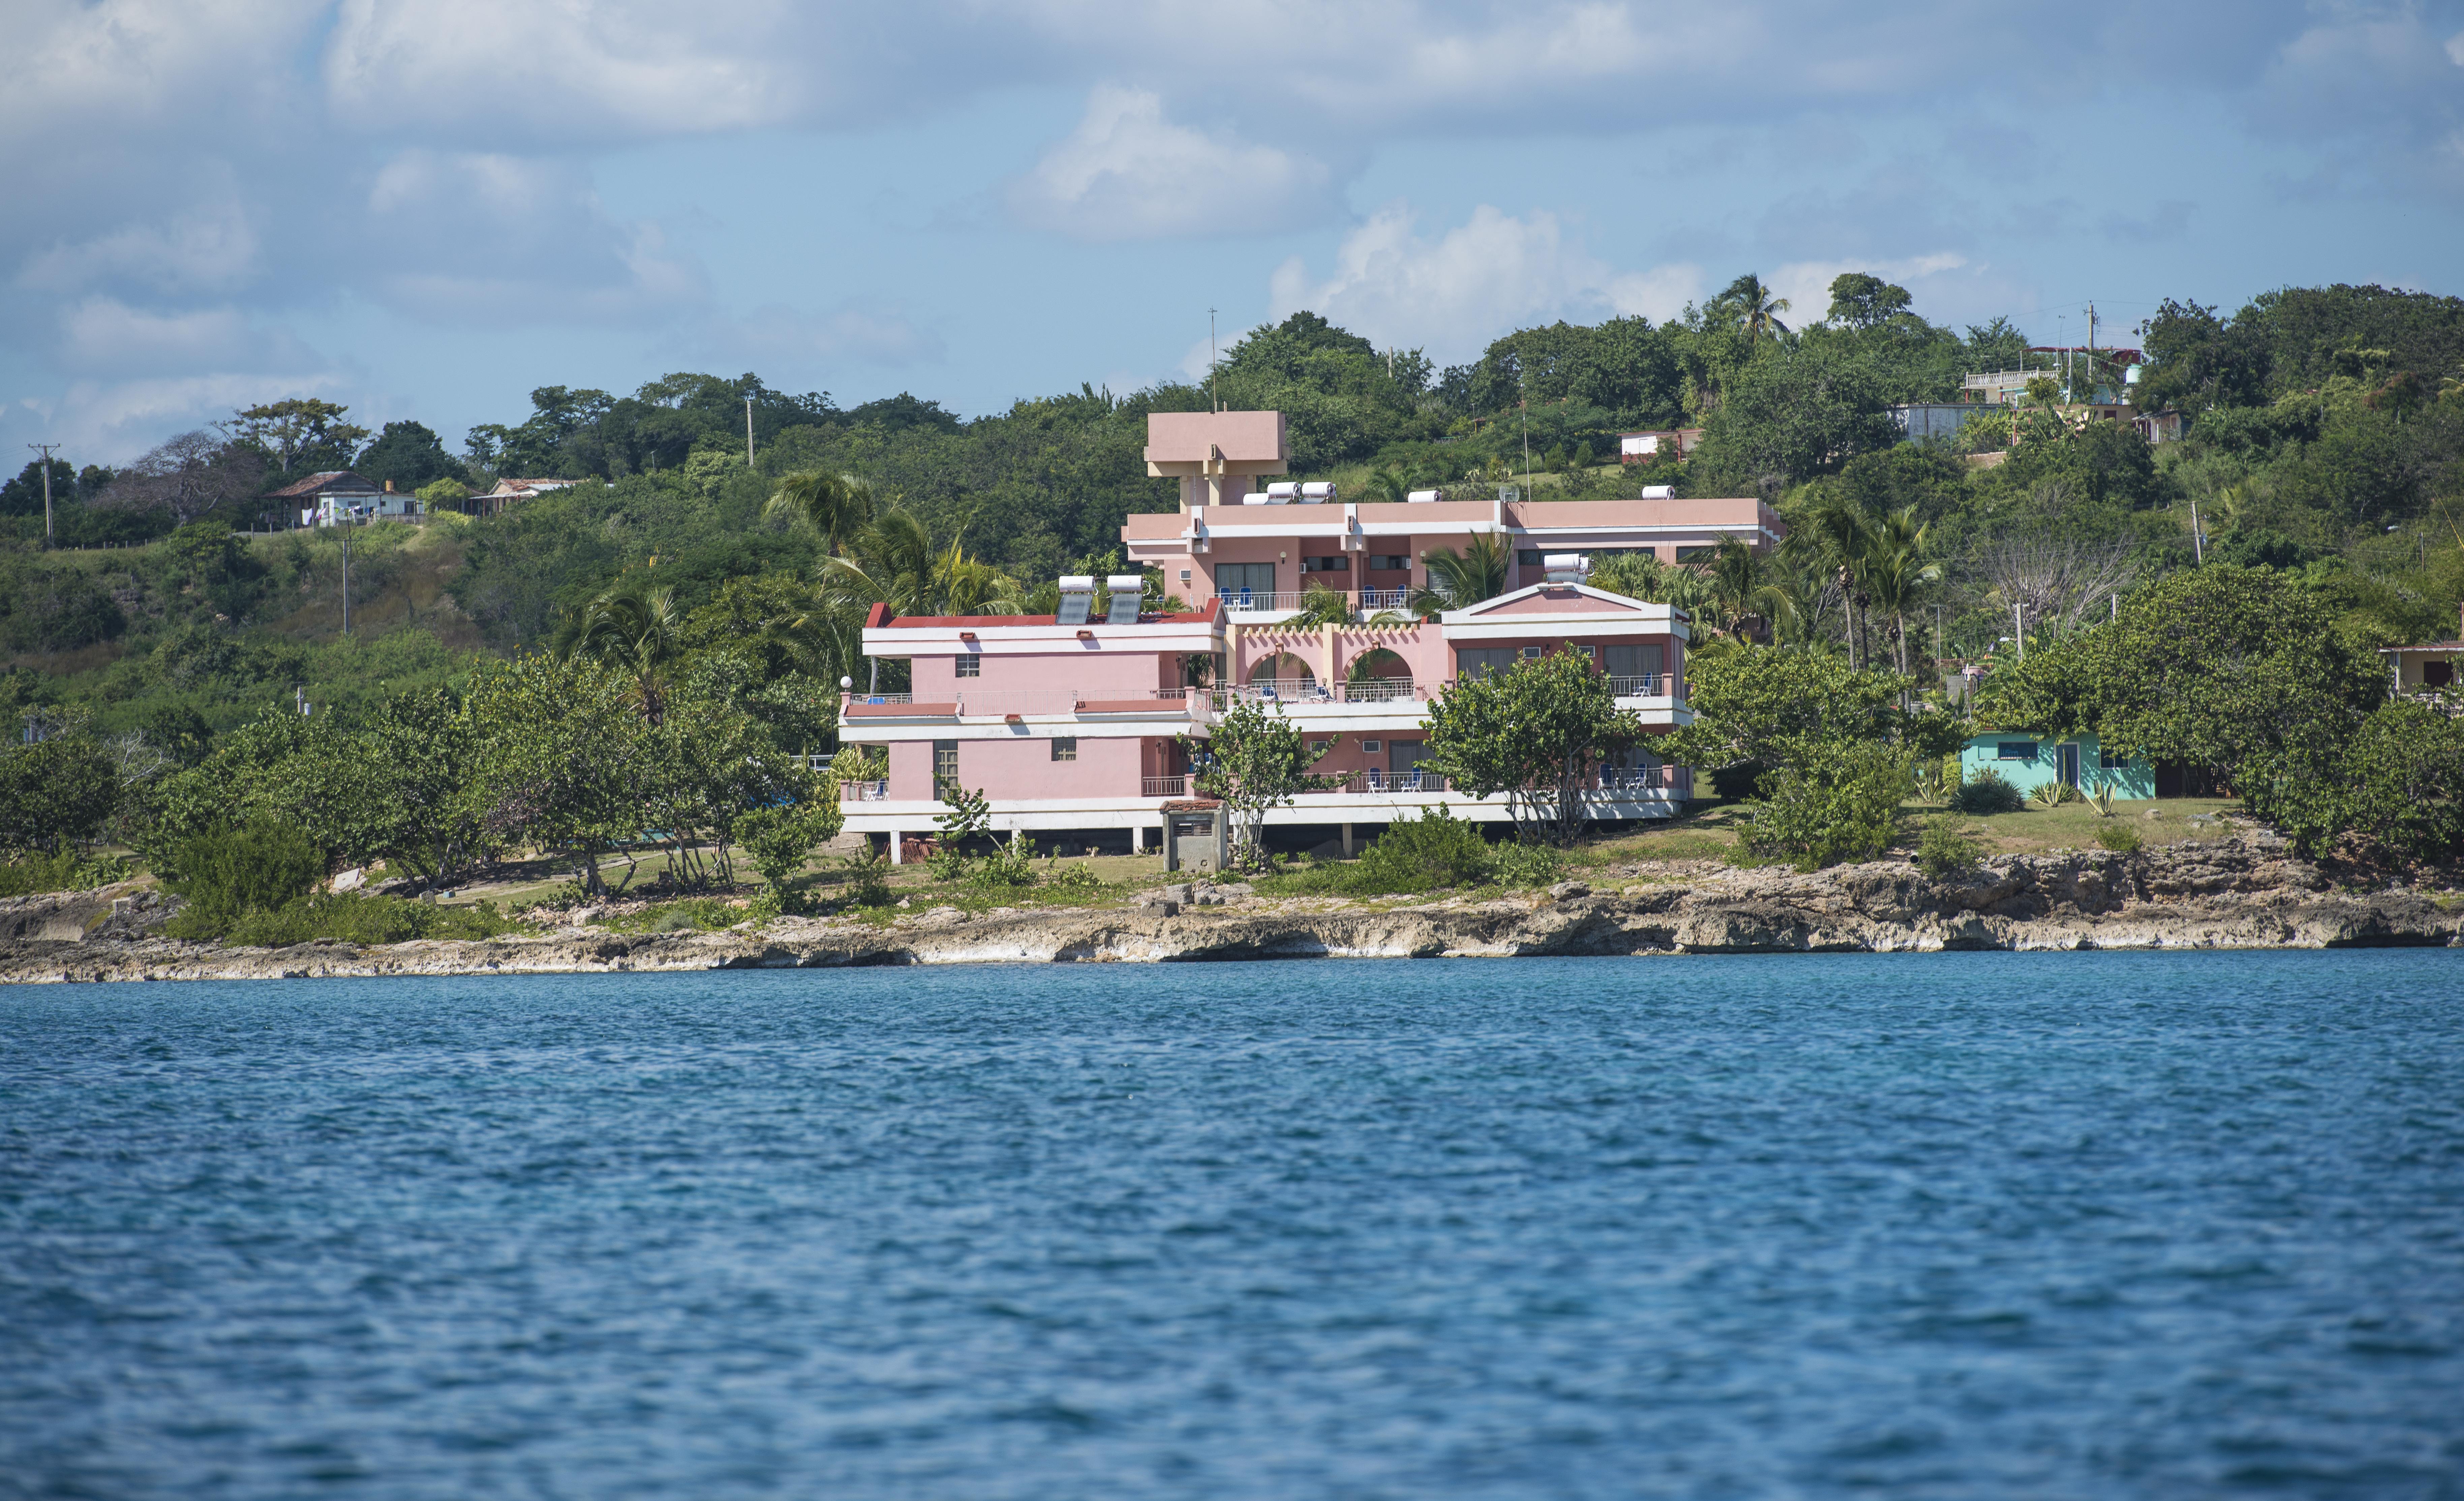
pixel 1210 362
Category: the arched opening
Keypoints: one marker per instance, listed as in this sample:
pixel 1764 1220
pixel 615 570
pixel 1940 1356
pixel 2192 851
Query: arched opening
pixel 1377 674
pixel 1283 675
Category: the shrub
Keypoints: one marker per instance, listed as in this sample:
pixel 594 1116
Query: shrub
pixel 1420 855
pixel 359 917
pixel 225 873
pixel 1941 853
pixel 1523 865
pixel 779 841
pixel 1012 864
pixel 1985 793
pixel 868 882
pixel 2054 793
pixel 1836 799
pixel 64 872
pixel 2119 838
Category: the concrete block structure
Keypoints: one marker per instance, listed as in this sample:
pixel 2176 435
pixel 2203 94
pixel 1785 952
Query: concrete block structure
pixel 1073 725
pixel 2028 761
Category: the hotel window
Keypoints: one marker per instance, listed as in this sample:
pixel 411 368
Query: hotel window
pixel 1390 562
pixel 1690 554
pixel 1372 747
pixel 2014 750
pixel 945 763
pixel 1064 748
pixel 1532 654
pixel 2108 760
pixel 1473 661
pixel 1326 564
pixel 971 664
pixel 1529 557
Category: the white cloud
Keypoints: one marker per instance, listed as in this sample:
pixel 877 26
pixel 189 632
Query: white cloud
pixel 1806 284
pixel 2455 49
pixel 633 68
pixel 1453 294
pixel 1128 173
pixel 100 336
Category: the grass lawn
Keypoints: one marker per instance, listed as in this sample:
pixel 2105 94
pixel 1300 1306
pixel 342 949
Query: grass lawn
pixel 1709 831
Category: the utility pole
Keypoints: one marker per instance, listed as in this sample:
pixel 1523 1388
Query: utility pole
pixel 2019 630
pixel 2198 543
pixel 346 578
pixel 748 432
pixel 45 449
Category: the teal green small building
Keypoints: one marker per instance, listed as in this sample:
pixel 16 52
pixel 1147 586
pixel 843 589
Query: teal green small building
pixel 2028 761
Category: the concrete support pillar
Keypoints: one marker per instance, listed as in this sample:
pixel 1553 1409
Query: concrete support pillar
pixel 897 847
pixel 1137 839
pixel 1346 841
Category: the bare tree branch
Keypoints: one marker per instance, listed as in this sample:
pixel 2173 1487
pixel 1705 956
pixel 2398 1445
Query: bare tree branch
pixel 187 476
pixel 2057 583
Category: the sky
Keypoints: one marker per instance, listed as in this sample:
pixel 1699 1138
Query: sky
pixel 425 209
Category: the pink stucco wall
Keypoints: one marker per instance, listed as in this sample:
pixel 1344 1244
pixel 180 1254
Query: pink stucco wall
pixel 937 678
pixel 1022 766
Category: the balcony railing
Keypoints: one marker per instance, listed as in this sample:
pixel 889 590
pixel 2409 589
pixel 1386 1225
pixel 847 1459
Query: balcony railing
pixel 997 702
pixel 877 791
pixel 1309 691
pixel 1256 602
pixel 1647 685
pixel 1679 780
pixel 1375 781
pixel 1164 787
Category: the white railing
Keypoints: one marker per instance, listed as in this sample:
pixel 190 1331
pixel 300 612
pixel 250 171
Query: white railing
pixel 976 703
pixel 1376 782
pixel 1679 780
pixel 1165 787
pixel 1309 691
pixel 865 791
pixel 1647 685
pixel 1282 602
pixel 1259 602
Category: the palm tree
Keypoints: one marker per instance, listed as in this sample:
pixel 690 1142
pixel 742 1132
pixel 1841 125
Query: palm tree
pixel 1387 486
pixel 1321 606
pixel 1739 589
pixel 1834 537
pixel 1754 306
pixel 632 626
pixel 835 504
pixel 1896 573
pixel 1459 578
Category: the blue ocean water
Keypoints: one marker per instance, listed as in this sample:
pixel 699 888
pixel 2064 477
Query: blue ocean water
pixel 1955 1226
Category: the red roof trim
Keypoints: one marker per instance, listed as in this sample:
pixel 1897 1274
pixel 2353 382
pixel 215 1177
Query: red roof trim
pixel 878 616
pixel 1214 608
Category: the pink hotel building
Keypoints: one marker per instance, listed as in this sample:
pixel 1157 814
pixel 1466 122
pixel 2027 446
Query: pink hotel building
pixel 1071 724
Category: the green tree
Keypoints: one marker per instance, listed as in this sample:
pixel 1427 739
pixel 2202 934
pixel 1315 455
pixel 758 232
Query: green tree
pixel 408 454
pixel 1863 302
pixel 58 793
pixel 2212 668
pixel 1253 760
pixel 565 764
pixel 1830 800
pixel 1753 307
pixel 301 434
pixel 1771 706
pixel 1536 732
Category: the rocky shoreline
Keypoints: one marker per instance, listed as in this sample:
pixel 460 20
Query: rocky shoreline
pixel 2242 894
